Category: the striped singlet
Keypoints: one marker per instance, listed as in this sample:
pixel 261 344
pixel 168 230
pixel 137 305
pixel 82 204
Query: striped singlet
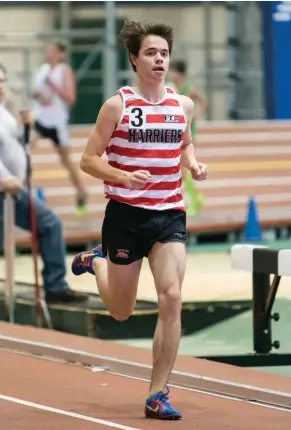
pixel 149 137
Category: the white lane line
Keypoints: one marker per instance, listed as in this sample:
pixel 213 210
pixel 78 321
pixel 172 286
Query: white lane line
pixel 209 393
pixel 66 413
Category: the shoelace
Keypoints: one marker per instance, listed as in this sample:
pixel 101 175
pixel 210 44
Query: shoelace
pixel 165 398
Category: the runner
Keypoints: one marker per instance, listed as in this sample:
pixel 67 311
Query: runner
pixel 54 92
pixel 145 131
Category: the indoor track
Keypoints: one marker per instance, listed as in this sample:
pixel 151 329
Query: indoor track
pixel 40 393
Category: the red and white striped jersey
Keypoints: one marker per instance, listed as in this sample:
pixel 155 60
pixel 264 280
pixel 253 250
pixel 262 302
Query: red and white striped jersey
pixel 149 137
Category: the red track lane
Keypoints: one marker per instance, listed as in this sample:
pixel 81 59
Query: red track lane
pixel 17 417
pixel 112 398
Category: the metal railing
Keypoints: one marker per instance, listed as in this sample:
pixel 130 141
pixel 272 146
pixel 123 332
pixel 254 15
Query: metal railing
pixel 9 265
pixel 9 255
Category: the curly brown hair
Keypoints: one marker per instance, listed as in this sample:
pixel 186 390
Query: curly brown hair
pixel 133 33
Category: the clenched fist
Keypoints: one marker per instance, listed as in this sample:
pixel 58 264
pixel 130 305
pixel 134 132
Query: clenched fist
pixel 136 180
pixel 199 171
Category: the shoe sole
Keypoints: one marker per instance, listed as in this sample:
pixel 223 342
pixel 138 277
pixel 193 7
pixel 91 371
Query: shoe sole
pixel 166 418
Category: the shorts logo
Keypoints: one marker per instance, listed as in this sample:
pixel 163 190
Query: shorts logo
pixel 122 253
pixel 178 234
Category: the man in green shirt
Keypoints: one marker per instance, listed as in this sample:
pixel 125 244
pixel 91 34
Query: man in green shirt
pixel 193 199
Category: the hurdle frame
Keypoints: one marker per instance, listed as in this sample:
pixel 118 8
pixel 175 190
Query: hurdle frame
pixel 264 264
pixel 9 254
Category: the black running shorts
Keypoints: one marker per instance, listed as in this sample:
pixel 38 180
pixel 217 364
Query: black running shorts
pixel 58 135
pixel 128 232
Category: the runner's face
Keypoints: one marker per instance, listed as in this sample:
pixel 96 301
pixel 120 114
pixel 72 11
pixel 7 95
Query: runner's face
pixel 53 54
pixel 152 63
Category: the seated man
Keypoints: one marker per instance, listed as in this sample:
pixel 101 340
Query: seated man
pixel 13 168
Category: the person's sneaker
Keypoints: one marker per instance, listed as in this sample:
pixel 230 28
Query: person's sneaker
pixel 81 205
pixel 157 406
pixel 82 263
pixel 65 296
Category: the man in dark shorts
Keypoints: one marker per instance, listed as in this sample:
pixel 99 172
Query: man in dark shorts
pixel 145 132
pixel 54 93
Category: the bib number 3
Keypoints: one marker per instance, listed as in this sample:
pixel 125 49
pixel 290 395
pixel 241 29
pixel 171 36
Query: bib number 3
pixel 136 117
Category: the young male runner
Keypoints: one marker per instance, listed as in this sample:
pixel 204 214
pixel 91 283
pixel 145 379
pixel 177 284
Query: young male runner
pixel 54 91
pixel 145 131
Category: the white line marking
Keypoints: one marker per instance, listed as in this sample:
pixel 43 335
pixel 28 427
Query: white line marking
pixel 245 399
pixel 66 413
pixel 111 360
pixel 209 393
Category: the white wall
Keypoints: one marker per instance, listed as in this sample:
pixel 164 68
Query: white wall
pixel 17 20
pixel 187 21
pixel 18 41
pixel 188 24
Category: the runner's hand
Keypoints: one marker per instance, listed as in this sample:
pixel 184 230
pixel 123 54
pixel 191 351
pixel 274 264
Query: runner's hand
pixel 136 180
pixel 199 171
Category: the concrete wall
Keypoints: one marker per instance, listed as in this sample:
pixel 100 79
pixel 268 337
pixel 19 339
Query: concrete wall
pixel 189 32
pixel 19 46
pixel 187 21
pixel 26 22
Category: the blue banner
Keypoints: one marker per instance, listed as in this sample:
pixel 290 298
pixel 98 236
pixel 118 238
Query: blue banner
pixel 276 25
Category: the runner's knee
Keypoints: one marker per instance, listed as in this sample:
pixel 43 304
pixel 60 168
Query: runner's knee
pixel 169 302
pixel 121 313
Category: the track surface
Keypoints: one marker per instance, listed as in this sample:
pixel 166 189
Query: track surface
pixel 116 400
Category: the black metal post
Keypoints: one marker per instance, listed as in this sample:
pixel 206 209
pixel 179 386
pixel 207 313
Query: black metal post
pixel 261 325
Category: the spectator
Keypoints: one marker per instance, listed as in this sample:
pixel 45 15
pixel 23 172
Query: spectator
pixel 193 198
pixel 54 91
pixel 13 169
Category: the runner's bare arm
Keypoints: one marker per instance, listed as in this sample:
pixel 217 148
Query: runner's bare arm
pixel 91 161
pixel 68 89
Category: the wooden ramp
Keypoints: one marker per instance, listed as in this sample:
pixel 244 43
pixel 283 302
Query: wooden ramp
pixel 246 159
